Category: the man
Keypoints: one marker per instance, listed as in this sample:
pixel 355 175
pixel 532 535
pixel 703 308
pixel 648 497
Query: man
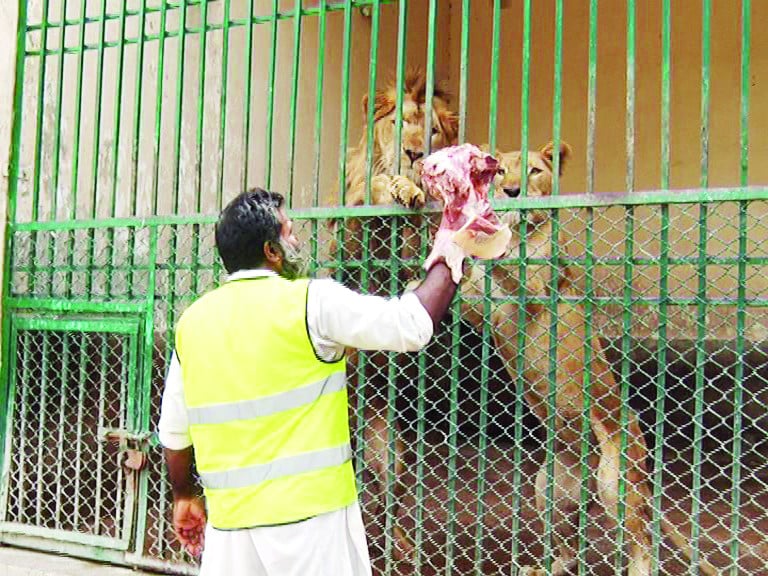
pixel 256 400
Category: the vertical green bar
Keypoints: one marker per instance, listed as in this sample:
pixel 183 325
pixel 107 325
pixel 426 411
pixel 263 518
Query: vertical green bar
pixel 57 134
pixel 97 112
pixel 82 382
pixel 270 97
pixel 62 422
pixel 586 428
pixel 453 432
pixel 200 135
pixel 294 100
pixel 179 105
pixel 223 105
pixel 494 88
pixel 390 520
pixel 248 90
pixel 701 293
pixel 17 114
pixel 421 382
pixel 521 314
pixel 76 146
pixel 402 21
pixel 7 415
pixel 103 373
pixel 40 489
pixel 21 49
pixel 159 106
pixel 345 64
pixel 554 295
pixel 372 70
pixel 738 392
pixel 137 113
pixel 322 18
pixel 626 338
pixel 464 69
pixel 661 351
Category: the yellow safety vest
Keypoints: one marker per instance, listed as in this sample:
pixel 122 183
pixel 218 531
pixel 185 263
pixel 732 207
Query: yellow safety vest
pixel 268 419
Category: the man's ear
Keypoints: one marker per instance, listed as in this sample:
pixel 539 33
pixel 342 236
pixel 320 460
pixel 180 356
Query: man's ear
pixel 273 254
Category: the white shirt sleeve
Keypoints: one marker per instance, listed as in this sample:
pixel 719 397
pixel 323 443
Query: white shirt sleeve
pixel 338 317
pixel 173 428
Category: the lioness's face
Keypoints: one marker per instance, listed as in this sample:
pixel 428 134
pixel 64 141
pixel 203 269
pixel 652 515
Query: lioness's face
pixel 539 168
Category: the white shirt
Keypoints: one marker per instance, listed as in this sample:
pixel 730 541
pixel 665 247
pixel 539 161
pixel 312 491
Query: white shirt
pixel 337 318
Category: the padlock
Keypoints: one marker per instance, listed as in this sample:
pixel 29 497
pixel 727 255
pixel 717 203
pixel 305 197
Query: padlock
pixel 135 460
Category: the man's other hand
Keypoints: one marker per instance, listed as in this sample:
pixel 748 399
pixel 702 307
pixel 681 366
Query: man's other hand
pixel 446 250
pixel 189 523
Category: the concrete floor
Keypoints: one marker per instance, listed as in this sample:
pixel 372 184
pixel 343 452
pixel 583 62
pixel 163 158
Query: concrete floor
pixel 18 562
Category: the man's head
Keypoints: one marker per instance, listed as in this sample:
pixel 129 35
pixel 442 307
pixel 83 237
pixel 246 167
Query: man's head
pixel 253 231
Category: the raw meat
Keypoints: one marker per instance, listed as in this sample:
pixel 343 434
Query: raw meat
pixel 460 176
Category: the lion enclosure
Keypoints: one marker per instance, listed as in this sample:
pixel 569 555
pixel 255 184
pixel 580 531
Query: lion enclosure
pixel 635 285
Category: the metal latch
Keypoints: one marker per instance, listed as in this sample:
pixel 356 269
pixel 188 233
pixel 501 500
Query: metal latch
pixel 132 444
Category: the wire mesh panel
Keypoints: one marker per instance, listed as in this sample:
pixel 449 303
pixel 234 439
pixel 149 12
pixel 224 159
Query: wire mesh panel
pixel 65 480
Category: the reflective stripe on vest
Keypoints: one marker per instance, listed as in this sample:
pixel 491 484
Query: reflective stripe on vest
pixel 249 409
pixel 269 422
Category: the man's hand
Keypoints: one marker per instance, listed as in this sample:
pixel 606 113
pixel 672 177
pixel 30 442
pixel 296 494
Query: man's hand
pixel 445 250
pixel 189 523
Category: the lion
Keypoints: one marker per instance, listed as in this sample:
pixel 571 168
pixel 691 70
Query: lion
pixel 388 186
pixel 606 406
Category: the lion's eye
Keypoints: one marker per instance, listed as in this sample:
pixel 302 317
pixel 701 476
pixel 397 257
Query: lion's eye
pixel 434 130
pixel 534 171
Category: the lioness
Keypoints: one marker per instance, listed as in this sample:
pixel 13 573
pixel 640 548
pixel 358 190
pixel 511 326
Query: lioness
pixel 387 187
pixel 605 411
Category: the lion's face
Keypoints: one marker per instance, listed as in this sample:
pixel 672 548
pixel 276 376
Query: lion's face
pixel 412 149
pixel 539 167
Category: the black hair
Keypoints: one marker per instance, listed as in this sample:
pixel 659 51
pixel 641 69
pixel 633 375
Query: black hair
pixel 245 226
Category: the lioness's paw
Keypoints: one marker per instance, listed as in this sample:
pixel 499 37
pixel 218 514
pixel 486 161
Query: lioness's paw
pixel 407 193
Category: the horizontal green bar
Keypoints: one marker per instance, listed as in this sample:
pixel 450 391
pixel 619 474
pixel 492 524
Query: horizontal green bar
pixel 110 325
pixel 65 535
pixel 655 197
pixel 57 305
pixel 287 15
pixel 615 301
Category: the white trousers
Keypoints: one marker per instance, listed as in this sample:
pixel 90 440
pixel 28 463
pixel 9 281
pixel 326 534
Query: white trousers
pixel 331 544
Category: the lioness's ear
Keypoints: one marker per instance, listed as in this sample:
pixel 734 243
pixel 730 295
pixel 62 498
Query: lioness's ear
pixel 382 106
pixel 549 153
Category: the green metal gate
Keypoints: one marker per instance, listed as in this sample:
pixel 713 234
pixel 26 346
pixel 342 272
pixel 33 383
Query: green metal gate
pixel 135 120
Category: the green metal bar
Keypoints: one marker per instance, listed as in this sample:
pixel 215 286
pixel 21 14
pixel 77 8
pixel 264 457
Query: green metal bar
pixel 159 111
pixel 661 351
pixel 137 114
pixel 8 343
pixel 57 133
pixel 103 370
pixel 453 433
pixel 482 462
pixel 565 201
pixel 701 315
pixel 464 70
pixel 372 70
pixel 8 409
pixel 549 551
pixel 494 88
pixel 60 444
pixel 97 122
pixel 345 71
pixel 270 98
pixel 201 109
pixel 402 31
pixel 82 381
pixel 223 105
pixel 738 392
pixel 592 97
pixel 319 104
pixel 53 324
pixel 421 385
pixel 362 357
pixel 629 249
pixel 76 151
pixel 586 426
pixel 294 103
pixel 20 47
pixel 390 521
pixel 431 47
pixel 57 305
pixel 248 93
pixel 40 489
pixel 522 274
pixel 179 112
